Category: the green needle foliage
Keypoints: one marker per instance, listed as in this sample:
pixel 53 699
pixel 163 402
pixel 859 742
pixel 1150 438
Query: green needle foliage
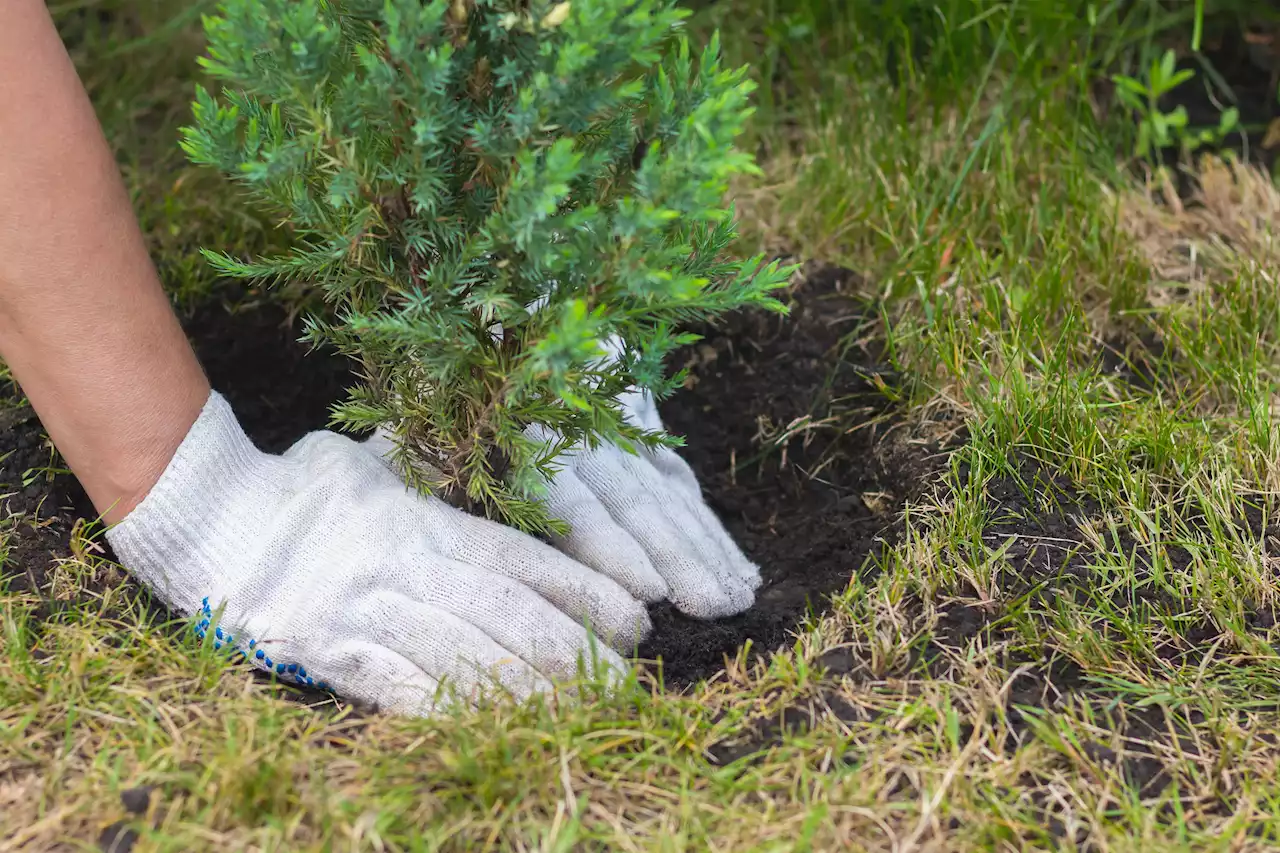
pixel 484 191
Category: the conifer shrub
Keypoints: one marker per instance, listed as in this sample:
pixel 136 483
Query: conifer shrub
pixel 511 208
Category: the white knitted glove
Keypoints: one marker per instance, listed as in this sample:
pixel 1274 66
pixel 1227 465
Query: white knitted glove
pixel 327 570
pixel 640 519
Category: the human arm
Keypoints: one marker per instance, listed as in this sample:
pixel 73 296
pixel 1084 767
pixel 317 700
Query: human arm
pixel 84 324
pixel 318 564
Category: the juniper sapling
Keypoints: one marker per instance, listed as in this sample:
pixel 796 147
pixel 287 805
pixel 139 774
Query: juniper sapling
pixel 483 191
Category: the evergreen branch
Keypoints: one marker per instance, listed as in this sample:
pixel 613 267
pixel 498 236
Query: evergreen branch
pixel 482 191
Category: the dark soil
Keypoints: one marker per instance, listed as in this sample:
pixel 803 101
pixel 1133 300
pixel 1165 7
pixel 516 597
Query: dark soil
pixel 279 388
pixel 810 516
pixel 50 501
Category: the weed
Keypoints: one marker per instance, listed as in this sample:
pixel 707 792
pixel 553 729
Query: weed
pixel 1158 129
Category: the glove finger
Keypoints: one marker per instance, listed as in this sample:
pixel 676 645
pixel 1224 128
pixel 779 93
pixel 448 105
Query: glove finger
pixel 445 533
pixel 596 540
pixel 715 540
pixel 633 493
pixel 639 408
pixel 451 649
pixel 643 410
pixel 515 617
pixel 541 572
pixel 372 674
pixel 669 463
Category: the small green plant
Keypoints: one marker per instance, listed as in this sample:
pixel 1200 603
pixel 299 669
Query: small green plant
pixel 484 191
pixel 1158 129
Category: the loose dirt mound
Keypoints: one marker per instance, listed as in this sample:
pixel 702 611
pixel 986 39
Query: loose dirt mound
pixel 809 495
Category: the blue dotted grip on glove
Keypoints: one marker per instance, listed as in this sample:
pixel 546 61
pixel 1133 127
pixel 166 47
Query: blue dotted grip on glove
pixel 288 671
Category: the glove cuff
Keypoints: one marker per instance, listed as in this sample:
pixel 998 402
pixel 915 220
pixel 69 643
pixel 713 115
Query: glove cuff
pixel 196 515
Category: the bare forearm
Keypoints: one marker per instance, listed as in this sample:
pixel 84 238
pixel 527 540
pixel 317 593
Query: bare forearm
pixel 84 324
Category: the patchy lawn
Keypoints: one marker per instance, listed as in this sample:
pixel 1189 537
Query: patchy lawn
pixel 1011 471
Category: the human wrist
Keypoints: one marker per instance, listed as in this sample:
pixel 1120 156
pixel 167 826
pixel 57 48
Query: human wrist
pixel 190 525
pixel 117 485
pixel 115 405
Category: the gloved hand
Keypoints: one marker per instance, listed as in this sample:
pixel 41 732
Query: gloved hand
pixel 640 519
pixel 328 570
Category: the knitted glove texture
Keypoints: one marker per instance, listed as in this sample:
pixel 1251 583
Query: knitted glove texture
pixel 640 519
pixel 322 567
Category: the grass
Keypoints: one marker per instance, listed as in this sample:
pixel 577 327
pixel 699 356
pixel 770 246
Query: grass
pixel 1107 349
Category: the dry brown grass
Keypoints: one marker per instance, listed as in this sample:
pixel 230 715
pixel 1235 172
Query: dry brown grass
pixel 891 752
pixel 1229 225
